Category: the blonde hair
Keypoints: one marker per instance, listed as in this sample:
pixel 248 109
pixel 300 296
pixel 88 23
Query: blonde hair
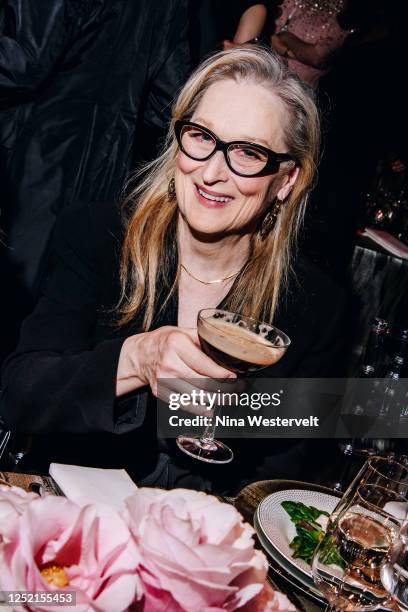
pixel 149 248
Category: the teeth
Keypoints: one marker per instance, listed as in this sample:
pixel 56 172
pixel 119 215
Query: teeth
pixel 207 196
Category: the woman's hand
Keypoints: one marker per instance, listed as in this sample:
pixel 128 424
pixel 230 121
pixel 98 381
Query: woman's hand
pixel 228 44
pixel 167 352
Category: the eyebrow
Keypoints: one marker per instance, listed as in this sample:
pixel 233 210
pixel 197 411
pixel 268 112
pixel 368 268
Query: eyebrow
pixel 210 126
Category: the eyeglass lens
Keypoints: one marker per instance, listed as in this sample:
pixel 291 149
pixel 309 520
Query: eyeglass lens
pixel 243 158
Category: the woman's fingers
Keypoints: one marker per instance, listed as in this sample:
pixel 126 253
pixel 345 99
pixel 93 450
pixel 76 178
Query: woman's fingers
pixel 192 333
pixel 199 362
pixel 167 352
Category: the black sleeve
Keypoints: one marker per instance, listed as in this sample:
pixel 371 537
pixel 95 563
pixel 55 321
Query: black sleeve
pixel 58 380
pixel 33 37
pixel 326 354
pixel 314 317
pixel 170 68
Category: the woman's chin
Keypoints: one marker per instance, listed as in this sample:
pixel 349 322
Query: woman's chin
pixel 197 225
pixel 209 229
pixel 207 233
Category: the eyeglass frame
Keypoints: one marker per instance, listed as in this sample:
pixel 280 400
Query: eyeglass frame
pixel 220 145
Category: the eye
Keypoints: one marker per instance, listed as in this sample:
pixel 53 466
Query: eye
pixel 200 136
pixel 251 154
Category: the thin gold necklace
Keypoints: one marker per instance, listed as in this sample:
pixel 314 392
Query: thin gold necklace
pixel 213 282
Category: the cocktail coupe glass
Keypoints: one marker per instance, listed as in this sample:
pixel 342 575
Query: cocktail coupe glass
pixel 242 345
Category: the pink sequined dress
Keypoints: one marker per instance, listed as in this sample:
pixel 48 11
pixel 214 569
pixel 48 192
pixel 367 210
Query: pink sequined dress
pixel 314 23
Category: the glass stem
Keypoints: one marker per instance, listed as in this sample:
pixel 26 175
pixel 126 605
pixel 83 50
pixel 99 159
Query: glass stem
pixel 208 434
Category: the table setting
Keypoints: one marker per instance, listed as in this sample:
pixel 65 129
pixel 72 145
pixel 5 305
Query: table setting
pixel 279 545
pixel 357 560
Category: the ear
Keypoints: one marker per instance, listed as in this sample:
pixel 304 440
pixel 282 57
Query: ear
pixel 287 183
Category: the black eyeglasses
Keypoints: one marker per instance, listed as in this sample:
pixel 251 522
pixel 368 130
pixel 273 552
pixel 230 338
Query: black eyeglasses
pixel 243 158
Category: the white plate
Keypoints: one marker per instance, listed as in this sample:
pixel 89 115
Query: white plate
pixel 275 524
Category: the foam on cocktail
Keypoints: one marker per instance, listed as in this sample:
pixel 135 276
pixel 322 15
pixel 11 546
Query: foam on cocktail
pixel 239 342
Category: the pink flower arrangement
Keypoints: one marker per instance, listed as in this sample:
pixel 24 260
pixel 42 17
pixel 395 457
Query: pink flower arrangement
pixel 167 551
pixel 196 549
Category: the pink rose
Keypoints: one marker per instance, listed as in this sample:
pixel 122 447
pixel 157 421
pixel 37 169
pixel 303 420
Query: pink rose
pixel 14 500
pixel 56 544
pixel 195 549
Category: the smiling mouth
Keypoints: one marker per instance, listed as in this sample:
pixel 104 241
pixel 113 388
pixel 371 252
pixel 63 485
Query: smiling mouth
pixel 211 197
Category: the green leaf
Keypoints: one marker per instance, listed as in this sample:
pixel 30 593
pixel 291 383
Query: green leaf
pixel 309 532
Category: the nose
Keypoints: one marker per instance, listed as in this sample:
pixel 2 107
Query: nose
pixel 215 169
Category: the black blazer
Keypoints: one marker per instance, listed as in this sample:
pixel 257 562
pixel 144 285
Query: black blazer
pixel 61 378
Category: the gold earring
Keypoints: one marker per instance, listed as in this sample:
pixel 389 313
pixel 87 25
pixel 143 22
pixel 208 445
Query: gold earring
pixel 171 190
pixel 269 220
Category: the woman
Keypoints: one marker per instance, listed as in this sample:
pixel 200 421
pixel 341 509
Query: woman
pixel 306 32
pixel 214 224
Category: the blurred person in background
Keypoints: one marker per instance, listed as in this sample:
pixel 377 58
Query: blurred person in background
pixel 86 88
pixel 308 34
pixel 305 32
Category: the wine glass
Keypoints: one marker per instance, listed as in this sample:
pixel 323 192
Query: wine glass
pixel 347 562
pixel 380 471
pixel 394 572
pixel 240 344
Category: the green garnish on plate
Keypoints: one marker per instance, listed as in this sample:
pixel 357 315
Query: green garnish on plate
pixel 309 533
